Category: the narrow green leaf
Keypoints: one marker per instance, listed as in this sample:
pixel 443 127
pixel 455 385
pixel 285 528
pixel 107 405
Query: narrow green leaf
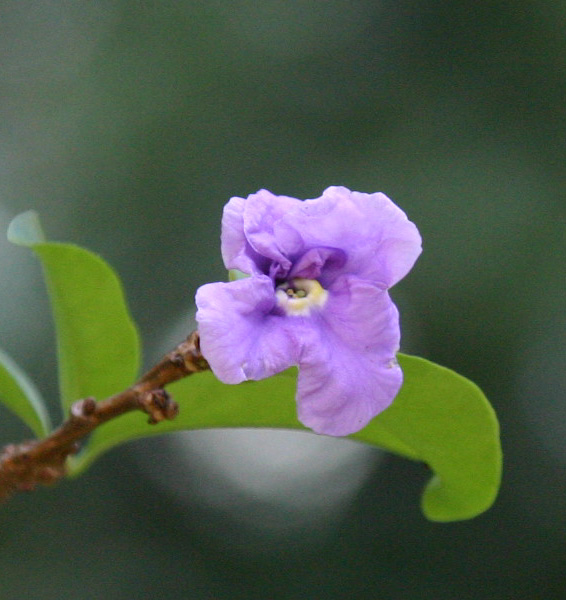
pixel 439 418
pixel 97 341
pixel 18 393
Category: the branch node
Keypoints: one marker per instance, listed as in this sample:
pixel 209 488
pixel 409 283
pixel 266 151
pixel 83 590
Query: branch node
pixel 189 355
pixel 83 409
pixel 159 405
pixel 89 406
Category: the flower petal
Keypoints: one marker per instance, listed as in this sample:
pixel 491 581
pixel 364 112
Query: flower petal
pixel 380 242
pixel 240 339
pixel 351 374
pixel 237 253
pixel 318 263
pixel 261 212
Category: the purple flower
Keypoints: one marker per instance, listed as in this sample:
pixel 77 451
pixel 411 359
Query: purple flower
pixel 316 297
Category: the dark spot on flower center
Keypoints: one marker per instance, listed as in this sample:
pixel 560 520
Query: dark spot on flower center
pixel 293 293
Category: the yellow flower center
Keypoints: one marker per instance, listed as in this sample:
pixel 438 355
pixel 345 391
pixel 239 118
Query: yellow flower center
pixel 299 296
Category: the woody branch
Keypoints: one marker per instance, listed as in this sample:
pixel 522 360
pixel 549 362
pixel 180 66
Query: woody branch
pixel 24 466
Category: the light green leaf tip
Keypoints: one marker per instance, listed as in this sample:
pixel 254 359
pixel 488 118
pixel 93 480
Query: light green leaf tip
pixel 97 340
pixel 25 229
pixel 18 393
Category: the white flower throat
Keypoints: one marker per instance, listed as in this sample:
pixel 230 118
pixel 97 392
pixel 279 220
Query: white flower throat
pixel 298 297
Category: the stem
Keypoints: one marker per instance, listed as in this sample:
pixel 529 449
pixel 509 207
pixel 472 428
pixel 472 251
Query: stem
pixel 24 466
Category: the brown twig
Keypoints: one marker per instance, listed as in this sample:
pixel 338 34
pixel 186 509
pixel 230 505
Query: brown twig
pixel 24 466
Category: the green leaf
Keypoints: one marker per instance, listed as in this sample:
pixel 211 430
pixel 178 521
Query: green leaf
pixel 18 393
pixel 97 341
pixel 438 417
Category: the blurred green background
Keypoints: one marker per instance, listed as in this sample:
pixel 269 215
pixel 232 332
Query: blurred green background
pixel 128 125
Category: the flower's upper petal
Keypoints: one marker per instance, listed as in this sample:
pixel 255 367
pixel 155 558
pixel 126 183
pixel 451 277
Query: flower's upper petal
pixel 351 374
pixel 261 211
pixel 380 243
pixel 240 339
pixel 318 263
pixel 237 252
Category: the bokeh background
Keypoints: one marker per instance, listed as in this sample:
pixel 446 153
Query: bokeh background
pixel 128 125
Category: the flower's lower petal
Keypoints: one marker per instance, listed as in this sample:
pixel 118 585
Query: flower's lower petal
pixel 343 395
pixel 380 242
pixel 262 210
pixel 351 375
pixel 239 337
pixel 237 253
